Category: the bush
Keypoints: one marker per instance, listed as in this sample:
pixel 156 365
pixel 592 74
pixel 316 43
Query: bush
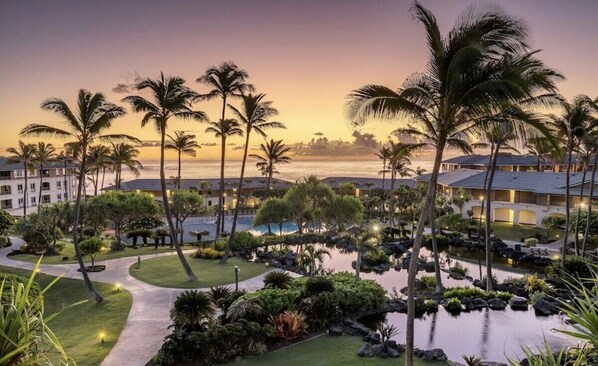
pixel 453 305
pixel 355 295
pixel 192 308
pixel 431 306
pixel 248 309
pixel 472 292
pixel 533 297
pixel 219 245
pixel 429 281
pixel 289 325
pixel 273 301
pixel 4 242
pixel 576 267
pixel 533 283
pixel 6 222
pixel 219 292
pixel 317 285
pixel 530 242
pixel 207 253
pixel 225 302
pixel 277 279
pixel 458 268
pixel 376 256
pixel 245 241
pixel 92 247
pixel 322 310
pixel 11 281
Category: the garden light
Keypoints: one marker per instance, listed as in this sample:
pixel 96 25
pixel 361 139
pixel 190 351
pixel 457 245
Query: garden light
pixel 102 336
pixel 237 270
pixel 117 286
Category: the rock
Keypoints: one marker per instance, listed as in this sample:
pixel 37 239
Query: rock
pixel 429 267
pixel 497 304
pixel 365 351
pixel 545 306
pixel 378 350
pixel 373 338
pixel 490 363
pixel 391 344
pixel 435 354
pixel 456 276
pixel 518 303
pixel 477 304
pixel 354 328
pixel 335 330
pixel 398 306
pixel 393 352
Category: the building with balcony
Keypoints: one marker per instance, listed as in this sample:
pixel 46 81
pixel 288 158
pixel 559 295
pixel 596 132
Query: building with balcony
pixel 57 186
pixel 509 162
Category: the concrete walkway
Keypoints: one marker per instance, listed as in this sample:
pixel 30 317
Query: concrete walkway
pixel 149 318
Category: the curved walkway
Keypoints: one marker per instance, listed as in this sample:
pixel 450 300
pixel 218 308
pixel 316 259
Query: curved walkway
pixel 149 317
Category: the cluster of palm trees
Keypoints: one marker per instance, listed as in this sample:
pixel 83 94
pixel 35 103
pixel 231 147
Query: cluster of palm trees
pixel 481 82
pixel 159 100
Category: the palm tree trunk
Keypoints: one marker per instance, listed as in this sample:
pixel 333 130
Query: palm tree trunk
pixel 435 248
pixel 25 191
pixel 41 184
pixel 179 173
pixel 358 264
pixel 567 205
pixel 268 181
pixel 95 182
pixel 583 179
pixel 590 196
pixel 220 216
pixel 173 235
pixel 103 176
pixel 238 203
pixel 492 167
pixel 66 189
pixel 92 291
pixel 391 205
pixel 383 173
pixel 430 195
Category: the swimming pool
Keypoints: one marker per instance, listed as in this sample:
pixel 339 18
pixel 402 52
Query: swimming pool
pixel 247 221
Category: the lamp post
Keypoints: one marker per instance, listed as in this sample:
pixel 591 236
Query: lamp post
pixel 237 270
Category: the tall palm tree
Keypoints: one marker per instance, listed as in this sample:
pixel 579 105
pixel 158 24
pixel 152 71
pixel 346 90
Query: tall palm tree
pixel 472 69
pixel 570 128
pixel 98 159
pixel 170 98
pixel 384 154
pixel 593 136
pixel 23 154
pixel 545 150
pixel 253 114
pixel 44 153
pixel 274 152
pixel 226 81
pixel 312 256
pixel 124 155
pixel 223 129
pixel 94 115
pixel 183 144
pixel 364 241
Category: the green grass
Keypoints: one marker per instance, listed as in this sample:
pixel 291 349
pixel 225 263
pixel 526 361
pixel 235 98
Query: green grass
pixel 78 327
pixel 325 351
pixel 516 232
pixel 167 272
pixel 69 251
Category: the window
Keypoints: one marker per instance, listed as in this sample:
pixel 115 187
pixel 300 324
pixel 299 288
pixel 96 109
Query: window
pixel 46 172
pixel 59 197
pixel 46 198
pixel 59 184
pixel 209 203
pixel 20 188
pixel 32 187
pixel 21 202
pixel 20 174
pixel 5 190
pixel 6 204
pixel 32 173
pixel 33 201
pixel 45 186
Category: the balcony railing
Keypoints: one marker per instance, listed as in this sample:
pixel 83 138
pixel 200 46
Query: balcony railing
pixel 3 193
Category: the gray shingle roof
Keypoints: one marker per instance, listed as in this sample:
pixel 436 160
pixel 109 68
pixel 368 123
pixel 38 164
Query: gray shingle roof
pixel 5 166
pixel 502 160
pixel 153 184
pixel 366 183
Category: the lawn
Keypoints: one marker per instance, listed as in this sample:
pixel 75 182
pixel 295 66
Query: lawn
pixel 167 272
pixel 69 251
pixel 78 328
pixel 325 351
pixel 516 232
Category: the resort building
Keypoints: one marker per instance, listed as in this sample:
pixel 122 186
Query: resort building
pixel 363 186
pixel 57 186
pixel 510 163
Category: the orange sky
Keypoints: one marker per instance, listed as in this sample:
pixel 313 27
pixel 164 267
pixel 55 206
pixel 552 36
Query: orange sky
pixel 306 55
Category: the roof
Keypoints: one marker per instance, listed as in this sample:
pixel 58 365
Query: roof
pixel 366 183
pixel 535 182
pixel 503 159
pixel 5 166
pixel 153 184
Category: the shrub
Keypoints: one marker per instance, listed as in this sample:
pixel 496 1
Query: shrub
pixel 431 306
pixel 472 292
pixel 534 283
pixel 12 281
pixel 317 285
pixel 355 295
pixel 92 247
pixel 249 309
pixel 207 253
pixel 533 297
pixel 574 266
pixel 376 256
pixel 387 331
pixel 219 292
pixel 277 279
pixel 322 310
pixel 453 305
pixel 429 281
pixel 458 268
pixel 530 242
pixel 6 222
pixel 245 241
pixel 273 301
pixel 4 241
pixel 289 325
pixel 192 308
pixel 225 302
pixel 219 245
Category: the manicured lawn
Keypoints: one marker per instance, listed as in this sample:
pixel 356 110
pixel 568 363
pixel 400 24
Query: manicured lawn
pixel 78 327
pixel 516 232
pixel 167 272
pixel 69 251
pixel 325 351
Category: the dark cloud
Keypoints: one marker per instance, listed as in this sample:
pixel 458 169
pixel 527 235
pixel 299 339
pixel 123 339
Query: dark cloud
pixel 319 134
pixel 238 148
pixel 232 144
pixel 365 139
pixel 363 144
pixel 129 85
pixel 208 144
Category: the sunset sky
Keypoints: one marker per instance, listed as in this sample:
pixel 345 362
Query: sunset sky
pixel 305 55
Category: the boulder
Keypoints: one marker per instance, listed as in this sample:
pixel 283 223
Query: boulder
pixel 354 328
pixel 490 363
pixel 373 338
pixel 477 304
pixel 393 352
pixel 365 351
pixel 545 306
pixel 518 303
pixel 456 276
pixel 335 330
pixel 497 304
pixel 397 306
pixel 435 354
pixel 429 267
pixel 379 350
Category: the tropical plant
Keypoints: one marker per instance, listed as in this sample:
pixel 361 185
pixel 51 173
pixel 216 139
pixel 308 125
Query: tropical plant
pixel 98 159
pixel 533 283
pixel 364 242
pixel 217 293
pixel 253 116
pixel 274 152
pixel 387 331
pixel 289 325
pixel 185 203
pixel 472 360
pixel 7 221
pixel 124 155
pixel 249 309
pixel 24 154
pixel 183 144
pixel 273 210
pixel 93 116
pixel 552 223
pixel 311 257
pixel 192 308
pixel 277 279
pixel 384 154
pixel 92 247
pixel 343 210
pixel 461 84
pixel 44 154
pixel 171 99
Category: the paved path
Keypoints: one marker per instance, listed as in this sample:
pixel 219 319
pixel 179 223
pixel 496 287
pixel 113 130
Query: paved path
pixel 149 318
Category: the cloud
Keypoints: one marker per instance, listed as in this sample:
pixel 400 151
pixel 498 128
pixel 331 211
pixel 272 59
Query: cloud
pixel 232 144
pixel 121 88
pixel 319 134
pixel 238 148
pixel 363 144
pixel 131 79
pixel 208 144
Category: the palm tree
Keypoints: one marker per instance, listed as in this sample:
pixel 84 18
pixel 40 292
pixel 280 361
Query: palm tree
pixel 192 308
pixel 183 144
pixel 544 149
pixel 171 98
pixel 254 115
pixel 98 159
pixel 124 155
pixel 94 115
pixel 274 153
pixel 223 129
pixel 570 128
pixel 364 241
pixel 23 154
pixel 476 67
pixel 593 136
pixel 227 81
pixel 384 154
pixel 312 256
pixel 398 162
pixel 44 153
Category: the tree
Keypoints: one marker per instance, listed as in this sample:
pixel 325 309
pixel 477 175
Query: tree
pixel 461 83
pixel 185 203
pixel 552 223
pixel 460 199
pixel 44 153
pixel 569 128
pixel 124 155
pixel 183 144
pixel 273 210
pixel 39 230
pixel 171 98
pixel 384 154
pixel 94 115
pixel 308 199
pixel 223 129
pixel 253 116
pixel 346 189
pixel 192 308
pixel 274 152
pixel 343 210
pixel 226 81
pixel 593 132
pixel 364 241
pixel 98 159
pixel 312 257
pixel 121 209
pixel 92 247
pixel 24 154
pixel 6 222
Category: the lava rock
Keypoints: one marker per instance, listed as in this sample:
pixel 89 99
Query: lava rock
pixel 497 304
pixel 545 306
pixel 335 330
pixel 435 354
pixel 354 328
pixel 518 303
pixel 429 267
pixel 477 304
pixel 365 351
pixel 373 338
